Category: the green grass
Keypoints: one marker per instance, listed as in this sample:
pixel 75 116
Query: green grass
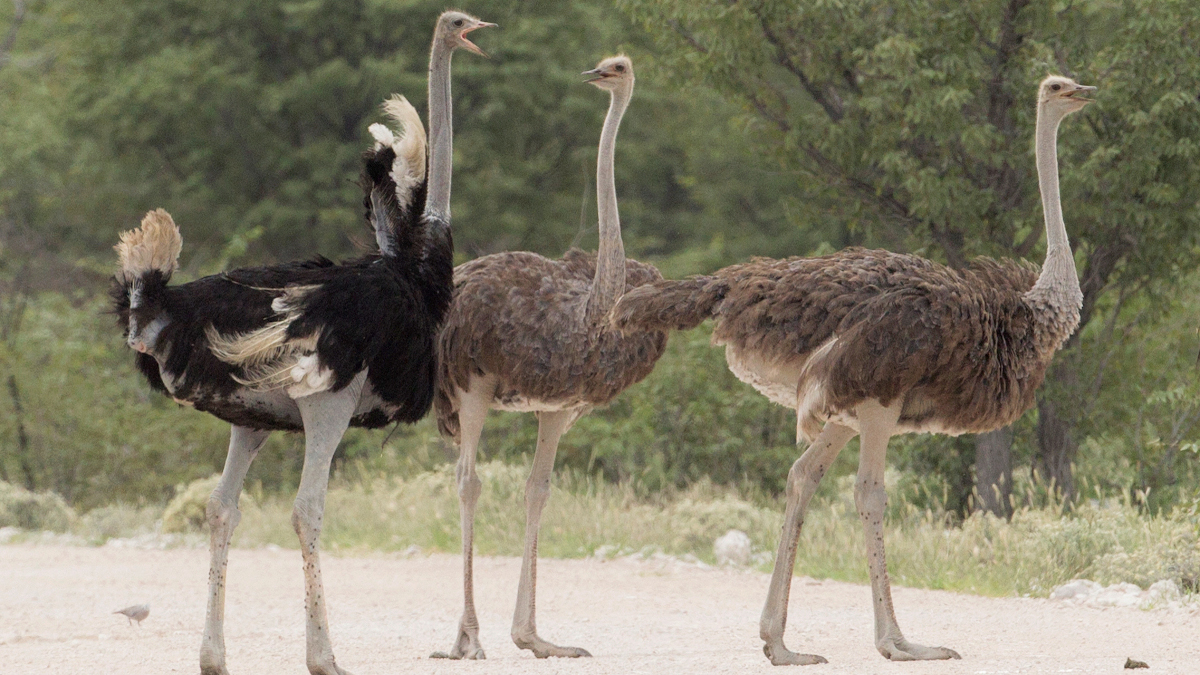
pixel 1037 550
pixel 1031 554
pixel 582 516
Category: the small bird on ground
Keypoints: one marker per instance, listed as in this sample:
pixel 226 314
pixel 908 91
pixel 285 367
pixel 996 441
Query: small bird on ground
pixel 136 613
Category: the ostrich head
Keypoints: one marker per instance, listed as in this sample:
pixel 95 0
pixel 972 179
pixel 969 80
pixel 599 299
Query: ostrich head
pixel 1062 95
pixel 452 29
pixel 615 72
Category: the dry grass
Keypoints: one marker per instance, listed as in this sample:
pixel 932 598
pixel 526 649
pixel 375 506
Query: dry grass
pixel 1031 554
pixel 1035 551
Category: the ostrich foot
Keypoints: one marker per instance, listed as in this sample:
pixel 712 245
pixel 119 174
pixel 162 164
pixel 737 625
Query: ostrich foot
pixel 543 649
pixel 465 647
pixel 213 669
pixel 326 668
pixel 782 656
pixel 330 668
pixel 903 650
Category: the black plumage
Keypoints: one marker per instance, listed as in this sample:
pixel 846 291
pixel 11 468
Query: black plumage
pixel 378 313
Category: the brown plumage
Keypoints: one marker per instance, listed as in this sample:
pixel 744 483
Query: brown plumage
pixel 872 343
pixel 530 334
pixel 962 348
pixel 520 317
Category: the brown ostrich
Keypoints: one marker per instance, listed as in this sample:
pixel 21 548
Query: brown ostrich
pixel 529 334
pixel 877 344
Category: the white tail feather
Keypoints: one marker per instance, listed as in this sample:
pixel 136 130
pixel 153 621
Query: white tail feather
pixel 408 170
pixel 268 359
pixel 384 138
pixel 155 245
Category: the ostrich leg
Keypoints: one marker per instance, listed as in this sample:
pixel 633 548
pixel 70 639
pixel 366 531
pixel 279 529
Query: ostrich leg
pixel 802 483
pixel 551 427
pixel 472 410
pixel 223 516
pixel 870 496
pixel 326 416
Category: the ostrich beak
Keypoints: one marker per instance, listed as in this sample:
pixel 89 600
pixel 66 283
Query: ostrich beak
pixel 471 46
pixel 1080 92
pixel 594 74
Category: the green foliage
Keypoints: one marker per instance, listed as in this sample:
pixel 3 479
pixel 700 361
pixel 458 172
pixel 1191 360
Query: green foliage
pixel 246 119
pixel 1140 407
pixel 921 114
pixel 33 510
pixel 93 430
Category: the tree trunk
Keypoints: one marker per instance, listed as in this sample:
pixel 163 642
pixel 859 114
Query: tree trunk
pixel 22 436
pixel 1056 448
pixel 993 471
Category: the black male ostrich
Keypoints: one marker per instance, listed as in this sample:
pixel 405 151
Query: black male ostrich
pixel 309 346
pixel 312 346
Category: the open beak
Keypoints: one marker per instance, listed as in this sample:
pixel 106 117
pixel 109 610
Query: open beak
pixel 471 45
pixel 594 74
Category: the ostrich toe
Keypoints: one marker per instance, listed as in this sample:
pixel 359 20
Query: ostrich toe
pixel 903 650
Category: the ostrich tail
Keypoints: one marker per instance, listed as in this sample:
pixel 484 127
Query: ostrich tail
pixel 668 305
pixel 394 178
pixel 152 247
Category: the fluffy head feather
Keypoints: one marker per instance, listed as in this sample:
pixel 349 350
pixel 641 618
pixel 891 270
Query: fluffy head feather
pixel 153 246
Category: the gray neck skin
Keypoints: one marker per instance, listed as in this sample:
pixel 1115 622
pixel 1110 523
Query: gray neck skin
pixel 609 283
pixel 441 131
pixel 1056 295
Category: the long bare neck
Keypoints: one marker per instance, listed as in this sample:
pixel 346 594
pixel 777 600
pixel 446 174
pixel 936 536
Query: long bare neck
pixel 441 132
pixel 1056 296
pixel 609 282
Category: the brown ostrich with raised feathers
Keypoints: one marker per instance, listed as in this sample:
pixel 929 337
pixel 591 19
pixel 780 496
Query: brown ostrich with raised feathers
pixel 529 334
pixel 876 344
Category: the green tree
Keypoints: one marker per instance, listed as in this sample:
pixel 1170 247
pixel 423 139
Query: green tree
pixel 246 119
pixel 912 123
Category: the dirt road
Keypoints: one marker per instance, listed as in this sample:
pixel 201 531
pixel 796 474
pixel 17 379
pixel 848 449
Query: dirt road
pixel 388 613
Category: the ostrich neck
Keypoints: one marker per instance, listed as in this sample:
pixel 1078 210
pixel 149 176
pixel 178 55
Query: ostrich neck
pixel 1056 296
pixel 609 282
pixel 441 132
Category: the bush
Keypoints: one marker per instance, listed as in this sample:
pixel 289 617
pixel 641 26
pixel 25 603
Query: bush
pixel 187 512
pixel 33 510
pixel 117 520
pixel 696 523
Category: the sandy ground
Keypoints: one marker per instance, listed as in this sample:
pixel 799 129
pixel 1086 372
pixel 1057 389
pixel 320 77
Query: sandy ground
pixel 388 613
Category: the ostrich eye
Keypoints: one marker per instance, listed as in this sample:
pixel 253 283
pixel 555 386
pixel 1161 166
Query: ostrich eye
pixel 619 68
pixel 458 22
pixel 1055 87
